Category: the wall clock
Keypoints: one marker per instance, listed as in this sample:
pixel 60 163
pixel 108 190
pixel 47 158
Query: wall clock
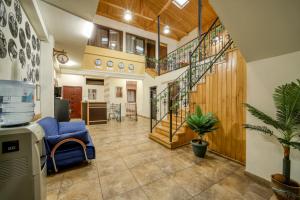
pixel 61 56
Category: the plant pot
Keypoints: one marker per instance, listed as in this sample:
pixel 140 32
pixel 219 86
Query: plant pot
pixel 199 148
pixel 285 191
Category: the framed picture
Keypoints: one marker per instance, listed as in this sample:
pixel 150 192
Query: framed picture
pixel 119 92
pixel 37 92
pixel 92 94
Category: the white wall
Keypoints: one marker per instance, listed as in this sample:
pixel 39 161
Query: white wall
pixel 79 80
pixel 112 83
pixel 264 154
pixel 190 36
pixel 172 44
pixel 47 78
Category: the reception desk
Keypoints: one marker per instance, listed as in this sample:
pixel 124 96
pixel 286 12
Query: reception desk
pixel 94 112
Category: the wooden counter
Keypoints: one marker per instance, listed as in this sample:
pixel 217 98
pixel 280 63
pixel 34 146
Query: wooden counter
pixel 94 112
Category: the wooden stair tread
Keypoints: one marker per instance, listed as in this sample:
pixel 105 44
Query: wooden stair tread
pixel 164 140
pixel 166 129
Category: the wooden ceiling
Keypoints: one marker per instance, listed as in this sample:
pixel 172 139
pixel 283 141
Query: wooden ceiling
pixel 145 12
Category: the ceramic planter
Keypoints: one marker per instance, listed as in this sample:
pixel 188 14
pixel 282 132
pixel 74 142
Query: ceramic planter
pixel 285 191
pixel 199 148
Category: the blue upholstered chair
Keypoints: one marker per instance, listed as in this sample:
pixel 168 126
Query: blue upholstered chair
pixel 67 143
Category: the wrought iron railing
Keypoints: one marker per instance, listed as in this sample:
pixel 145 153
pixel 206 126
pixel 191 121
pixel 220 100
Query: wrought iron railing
pixel 174 60
pixel 173 101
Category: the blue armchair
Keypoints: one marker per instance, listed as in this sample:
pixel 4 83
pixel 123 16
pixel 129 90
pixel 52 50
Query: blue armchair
pixel 67 143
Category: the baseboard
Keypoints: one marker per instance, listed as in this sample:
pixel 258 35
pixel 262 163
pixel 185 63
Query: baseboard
pixel 258 179
pixel 143 117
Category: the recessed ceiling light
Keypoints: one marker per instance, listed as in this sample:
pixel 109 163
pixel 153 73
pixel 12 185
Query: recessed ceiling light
pixel 166 30
pixel 88 29
pixel 180 3
pixel 128 15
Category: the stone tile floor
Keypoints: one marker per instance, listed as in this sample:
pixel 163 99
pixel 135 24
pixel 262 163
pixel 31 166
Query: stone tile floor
pixel 131 166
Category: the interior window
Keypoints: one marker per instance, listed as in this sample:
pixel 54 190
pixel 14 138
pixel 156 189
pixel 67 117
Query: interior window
pixel 106 38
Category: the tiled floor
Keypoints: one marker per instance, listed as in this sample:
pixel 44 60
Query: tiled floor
pixel 130 166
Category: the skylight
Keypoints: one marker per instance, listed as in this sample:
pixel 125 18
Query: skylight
pixel 180 3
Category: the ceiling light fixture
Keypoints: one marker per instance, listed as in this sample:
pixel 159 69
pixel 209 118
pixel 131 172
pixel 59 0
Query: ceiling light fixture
pixel 180 3
pixel 88 29
pixel 128 15
pixel 166 30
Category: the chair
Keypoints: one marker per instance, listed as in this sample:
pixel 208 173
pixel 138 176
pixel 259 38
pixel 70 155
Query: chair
pixel 67 143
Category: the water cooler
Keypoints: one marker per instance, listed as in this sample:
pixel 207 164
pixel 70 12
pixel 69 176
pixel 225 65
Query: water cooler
pixel 22 163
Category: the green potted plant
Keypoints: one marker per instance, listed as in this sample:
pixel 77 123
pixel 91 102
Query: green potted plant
pixel 287 124
pixel 201 124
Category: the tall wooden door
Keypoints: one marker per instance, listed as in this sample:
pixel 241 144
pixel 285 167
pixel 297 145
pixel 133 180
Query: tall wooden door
pixel 74 96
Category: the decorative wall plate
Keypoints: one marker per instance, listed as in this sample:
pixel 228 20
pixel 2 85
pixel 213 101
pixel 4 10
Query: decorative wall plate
pixel 98 63
pixel 12 49
pixel 18 11
pixel 27 30
pixel 13 25
pixel 33 60
pixel 131 67
pixel 28 50
pixel 121 65
pixel 3 45
pixel 33 42
pixel 22 38
pixel 8 2
pixel 3 14
pixel 22 58
pixel 38 45
pixel 37 59
pixel 110 63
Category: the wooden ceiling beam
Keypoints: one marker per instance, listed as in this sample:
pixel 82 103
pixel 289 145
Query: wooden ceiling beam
pixel 146 17
pixel 160 12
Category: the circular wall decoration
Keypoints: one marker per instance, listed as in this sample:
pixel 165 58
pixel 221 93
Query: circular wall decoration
pixel 37 60
pixel 3 43
pixel 109 63
pixel 12 49
pixel 98 63
pixel 18 11
pixel 3 14
pixel 13 25
pixel 33 42
pixel 27 30
pixel 32 75
pixel 37 75
pixel 8 2
pixel 33 60
pixel 62 58
pixel 121 65
pixel 38 44
pixel 28 50
pixel 29 75
pixel 131 67
pixel 22 58
pixel 22 38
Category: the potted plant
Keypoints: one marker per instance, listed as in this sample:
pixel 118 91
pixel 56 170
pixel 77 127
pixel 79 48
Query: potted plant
pixel 201 124
pixel 287 124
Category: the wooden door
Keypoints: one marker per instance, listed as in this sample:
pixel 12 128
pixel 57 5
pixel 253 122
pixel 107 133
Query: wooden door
pixel 174 93
pixel 74 96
